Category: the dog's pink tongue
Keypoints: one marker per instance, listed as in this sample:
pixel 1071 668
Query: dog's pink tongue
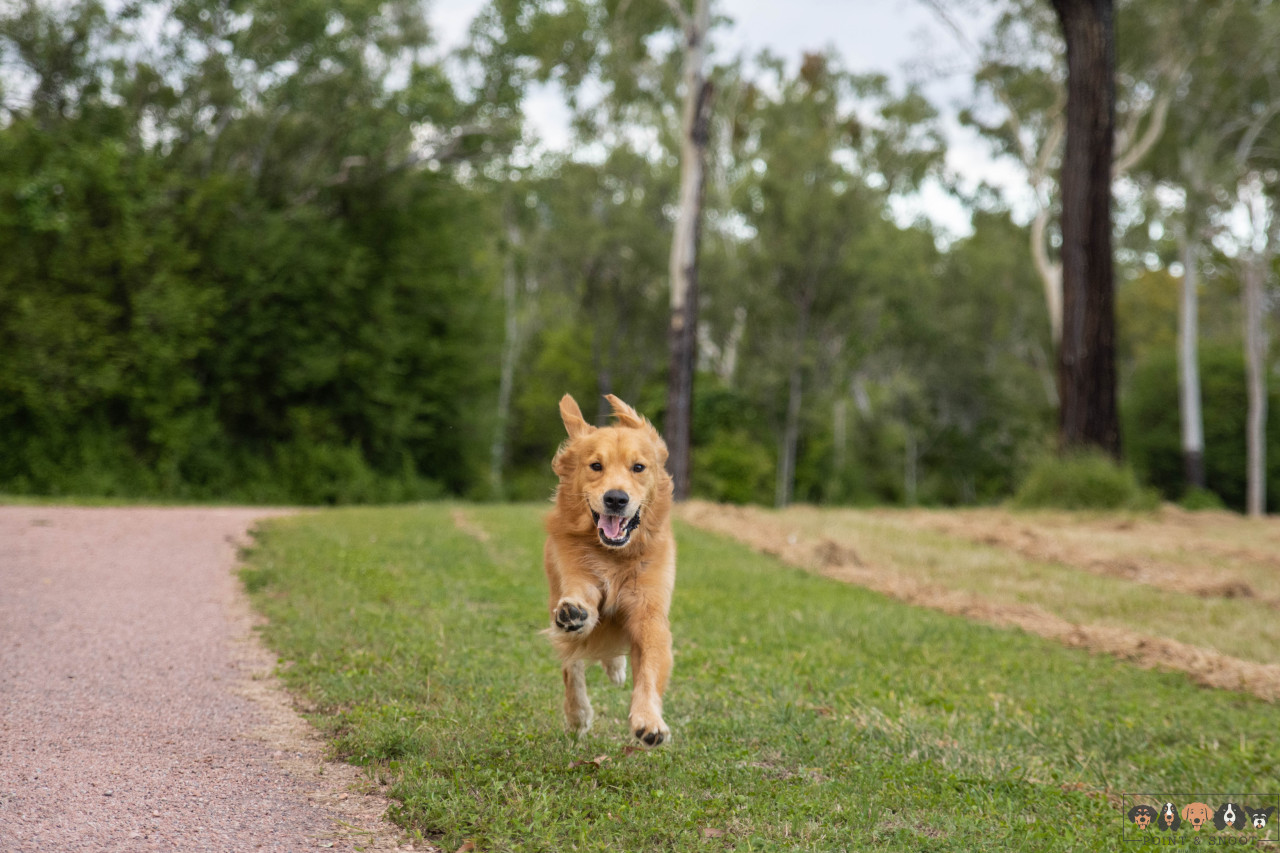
pixel 611 526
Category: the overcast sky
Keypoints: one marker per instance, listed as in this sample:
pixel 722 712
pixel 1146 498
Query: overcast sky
pixel 901 38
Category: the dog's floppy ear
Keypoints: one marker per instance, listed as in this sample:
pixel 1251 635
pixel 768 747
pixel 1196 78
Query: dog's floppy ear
pixel 629 417
pixel 574 423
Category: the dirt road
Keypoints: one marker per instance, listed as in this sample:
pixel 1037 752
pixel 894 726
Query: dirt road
pixel 137 711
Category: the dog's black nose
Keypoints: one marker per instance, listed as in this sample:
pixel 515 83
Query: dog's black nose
pixel 615 501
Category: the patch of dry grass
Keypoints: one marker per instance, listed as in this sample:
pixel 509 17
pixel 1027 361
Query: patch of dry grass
pixel 983 567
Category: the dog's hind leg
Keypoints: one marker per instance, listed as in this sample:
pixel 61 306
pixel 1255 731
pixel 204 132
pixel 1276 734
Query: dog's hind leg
pixel 577 705
pixel 616 668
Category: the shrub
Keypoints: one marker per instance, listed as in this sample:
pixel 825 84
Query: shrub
pixel 1152 425
pixel 1084 480
pixel 734 469
pixel 1197 499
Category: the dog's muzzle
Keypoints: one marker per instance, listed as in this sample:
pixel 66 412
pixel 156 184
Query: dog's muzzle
pixel 615 530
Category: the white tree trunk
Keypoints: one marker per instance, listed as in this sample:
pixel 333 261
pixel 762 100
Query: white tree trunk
pixel 1189 363
pixel 1050 272
pixel 682 334
pixel 1255 354
pixel 507 367
pixel 1255 267
pixel 786 483
pixel 684 241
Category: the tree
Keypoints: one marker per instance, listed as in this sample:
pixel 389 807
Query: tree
pixel 1088 414
pixel 230 268
pixel 1021 94
pixel 604 46
pixel 683 337
pixel 1211 167
pixel 823 150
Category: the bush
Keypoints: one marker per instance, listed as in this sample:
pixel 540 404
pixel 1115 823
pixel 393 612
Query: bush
pixel 1198 499
pixel 734 469
pixel 1152 425
pixel 1086 480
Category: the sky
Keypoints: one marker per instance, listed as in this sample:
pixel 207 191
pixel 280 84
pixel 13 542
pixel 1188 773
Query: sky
pixel 901 38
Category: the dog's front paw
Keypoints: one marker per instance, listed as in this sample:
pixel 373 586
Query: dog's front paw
pixel 650 730
pixel 573 617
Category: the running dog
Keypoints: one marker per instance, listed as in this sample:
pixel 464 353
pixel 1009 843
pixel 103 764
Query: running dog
pixel 610 559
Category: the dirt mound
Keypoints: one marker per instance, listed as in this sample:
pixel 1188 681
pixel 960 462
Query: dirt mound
pixel 769 535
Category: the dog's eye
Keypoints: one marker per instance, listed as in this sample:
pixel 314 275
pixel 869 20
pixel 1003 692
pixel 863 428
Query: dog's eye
pixel 596 466
pixel 638 467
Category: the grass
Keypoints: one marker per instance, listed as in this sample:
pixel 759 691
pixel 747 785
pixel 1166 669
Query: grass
pixel 808 714
pixel 1245 628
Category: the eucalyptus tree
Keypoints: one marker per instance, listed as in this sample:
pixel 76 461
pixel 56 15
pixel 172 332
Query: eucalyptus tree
pixel 1222 161
pixel 1088 412
pixel 695 123
pixel 1193 172
pixel 1021 101
pixel 1257 161
pixel 633 70
pixel 824 150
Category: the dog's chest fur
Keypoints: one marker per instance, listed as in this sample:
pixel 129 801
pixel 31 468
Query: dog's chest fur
pixel 617 578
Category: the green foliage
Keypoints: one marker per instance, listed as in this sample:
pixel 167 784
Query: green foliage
pixel 1083 480
pixel 269 255
pixel 732 461
pixel 1152 424
pixel 264 304
pixel 807 714
pixel 1201 499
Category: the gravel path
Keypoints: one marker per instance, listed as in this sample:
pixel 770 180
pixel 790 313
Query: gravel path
pixel 137 711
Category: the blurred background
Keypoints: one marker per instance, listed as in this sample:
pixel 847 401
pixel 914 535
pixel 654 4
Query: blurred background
pixel 335 252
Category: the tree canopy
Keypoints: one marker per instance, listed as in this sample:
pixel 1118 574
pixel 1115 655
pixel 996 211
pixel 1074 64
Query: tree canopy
pixel 298 253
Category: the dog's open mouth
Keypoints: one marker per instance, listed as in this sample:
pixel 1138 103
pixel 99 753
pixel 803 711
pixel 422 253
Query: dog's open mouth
pixel 615 530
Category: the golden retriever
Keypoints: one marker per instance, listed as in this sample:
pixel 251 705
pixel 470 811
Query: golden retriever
pixel 610 559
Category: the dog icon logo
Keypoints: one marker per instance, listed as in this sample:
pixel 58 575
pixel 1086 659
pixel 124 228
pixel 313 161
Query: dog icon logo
pixel 1170 812
pixel 1230 814
pixel 1196 814
pixel 1258 817
pixel 1142 815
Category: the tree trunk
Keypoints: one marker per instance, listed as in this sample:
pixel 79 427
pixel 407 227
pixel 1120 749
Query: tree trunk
pixel 839 451
pixel 1088 414
pixel 910 469
pixel 1189 361
pixel 1255 358
pixel 785 489
pixel 1049 272
pixel 507 366
pixel 682 338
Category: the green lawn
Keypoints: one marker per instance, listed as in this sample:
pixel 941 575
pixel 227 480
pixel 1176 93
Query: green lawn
pixel 807 714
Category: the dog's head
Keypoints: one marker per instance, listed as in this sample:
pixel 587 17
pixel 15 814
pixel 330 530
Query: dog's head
pixel 1196 814
pixel 614 476
pixel 1230 814
pixel 1258 817
pixel 1167 818
pixel 1142 815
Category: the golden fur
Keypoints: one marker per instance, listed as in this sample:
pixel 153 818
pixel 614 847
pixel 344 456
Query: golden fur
pixel 611 564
